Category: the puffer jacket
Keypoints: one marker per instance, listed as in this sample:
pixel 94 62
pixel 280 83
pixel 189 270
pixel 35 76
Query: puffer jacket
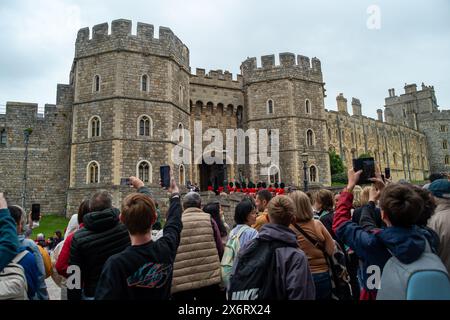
pixel 197 262
pixel 103 235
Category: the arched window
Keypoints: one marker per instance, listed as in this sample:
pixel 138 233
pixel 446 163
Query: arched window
pixel 274 175
pixel 353 154
pixel 447 160
pixel 313 174
pixel 3 137
pixel 144 171
pixel 307 106
pixel 96 84
pixel 444 144
pixel 144 83
pixel 93 173
pixel 95 127
pixel 145 126
pixel 329 134
pixel 181 128
pixel 395 158
pixel 269 106
pixel 310 138
pixel 182 175
pixel 353 138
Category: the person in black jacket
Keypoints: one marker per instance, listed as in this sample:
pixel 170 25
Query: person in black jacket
pixel 144 270
pixel 102 236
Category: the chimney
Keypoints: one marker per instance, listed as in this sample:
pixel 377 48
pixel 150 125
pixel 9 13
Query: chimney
pixel 380 115
pixel 341 103
pixel 391 93
pixel 356 106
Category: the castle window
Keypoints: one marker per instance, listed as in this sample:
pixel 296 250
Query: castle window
pixel 3 137
pixel 96 85
pixel 145 126
pixel 447 160
pixel 444 144
pixel 144 171
pixel 270 107
pixel 329 134
pixel 307 106
pixel 353 138
pixel 181 131
pixel 274 175
pixel 144 83
pixel 309 138
pixel 182 175
pixel 395 158
pixel 95 127
pixel 353 154
pixel 443 128
pixel 313 174
pixel 93 173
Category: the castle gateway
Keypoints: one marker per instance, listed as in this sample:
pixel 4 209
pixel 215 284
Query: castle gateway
pixel 127 94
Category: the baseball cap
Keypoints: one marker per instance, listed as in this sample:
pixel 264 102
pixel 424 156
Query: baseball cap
pixel 440 188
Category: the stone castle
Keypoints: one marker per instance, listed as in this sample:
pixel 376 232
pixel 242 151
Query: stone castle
pixel 127 93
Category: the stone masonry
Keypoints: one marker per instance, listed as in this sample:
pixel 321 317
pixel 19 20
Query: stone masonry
pixel 120 79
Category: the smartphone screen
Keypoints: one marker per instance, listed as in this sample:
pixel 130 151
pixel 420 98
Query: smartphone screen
pixel 387 173
pixel 367 165
pixel 125 181
pixel 165 176
pixel 35 211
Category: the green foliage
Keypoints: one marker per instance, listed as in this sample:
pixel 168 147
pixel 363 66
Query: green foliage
pixel 339 178
pixel 336 164
pixel 49 224
pixel 365 155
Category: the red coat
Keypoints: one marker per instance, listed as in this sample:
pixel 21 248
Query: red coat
pixel 63 259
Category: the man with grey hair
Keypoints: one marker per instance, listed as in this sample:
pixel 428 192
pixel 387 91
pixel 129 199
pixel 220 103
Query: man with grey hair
pixel 440 221
pixel 196 274
pixel 101 236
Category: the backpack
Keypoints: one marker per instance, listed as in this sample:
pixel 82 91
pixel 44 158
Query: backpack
pixel 231 250
pixel 47 261
pixel 13 282
pixel 341 288
pixel 424 279
pixel 255 272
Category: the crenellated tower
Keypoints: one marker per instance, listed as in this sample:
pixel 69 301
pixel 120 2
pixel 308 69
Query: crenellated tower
pixel 289 97
pixel 130 93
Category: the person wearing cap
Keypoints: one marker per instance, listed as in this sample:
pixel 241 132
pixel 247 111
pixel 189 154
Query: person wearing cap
pixel 440 221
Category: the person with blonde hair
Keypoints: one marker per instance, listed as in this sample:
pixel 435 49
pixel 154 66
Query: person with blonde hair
pixel 315 240
pixel 357 193
pixel 272 267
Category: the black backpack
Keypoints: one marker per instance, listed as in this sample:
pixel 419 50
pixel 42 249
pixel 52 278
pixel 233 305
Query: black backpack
pixel 254 274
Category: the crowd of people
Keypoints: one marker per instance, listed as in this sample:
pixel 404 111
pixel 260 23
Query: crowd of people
pixel 284 245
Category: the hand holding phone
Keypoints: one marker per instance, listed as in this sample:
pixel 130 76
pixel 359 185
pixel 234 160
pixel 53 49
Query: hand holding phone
pixel 367 166
pixel 165 176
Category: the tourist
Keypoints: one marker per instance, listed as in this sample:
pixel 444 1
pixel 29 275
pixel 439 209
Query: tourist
pixel 196 274
pixel 263 198
pixel 144 270
pixel 272 267
pixel 315 240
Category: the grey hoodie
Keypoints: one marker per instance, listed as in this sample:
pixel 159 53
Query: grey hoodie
pixel 293 278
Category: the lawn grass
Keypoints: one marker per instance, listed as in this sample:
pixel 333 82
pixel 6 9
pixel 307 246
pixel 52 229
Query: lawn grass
pixel 49 224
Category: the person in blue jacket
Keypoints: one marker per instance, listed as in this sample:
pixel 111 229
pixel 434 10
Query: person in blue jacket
pixel 9 242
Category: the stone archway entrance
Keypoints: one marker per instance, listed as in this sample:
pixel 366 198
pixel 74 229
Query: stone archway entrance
pixel 212 175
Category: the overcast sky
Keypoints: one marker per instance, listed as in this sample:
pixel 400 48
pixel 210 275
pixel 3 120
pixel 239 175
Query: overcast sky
pixel 412 44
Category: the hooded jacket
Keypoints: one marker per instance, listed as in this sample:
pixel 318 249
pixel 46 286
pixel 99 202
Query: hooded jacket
pixel 102 236
pixel 376 248
pixel 293 278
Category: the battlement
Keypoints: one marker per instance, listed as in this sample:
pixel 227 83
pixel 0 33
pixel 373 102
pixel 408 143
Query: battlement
pixel 218 78
pixel 121 38
pixel 28 111
pixel 290 66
